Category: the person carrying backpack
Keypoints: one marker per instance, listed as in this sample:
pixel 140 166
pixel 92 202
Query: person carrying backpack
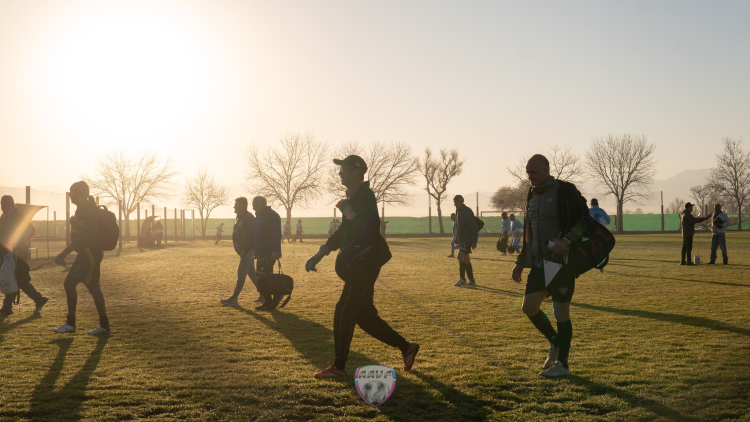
pixel 555 216
pixel 467 235
pixel 85 240
pixel 362 254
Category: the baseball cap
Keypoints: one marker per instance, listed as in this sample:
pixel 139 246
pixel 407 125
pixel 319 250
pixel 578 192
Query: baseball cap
pixel 352 161
pixel 688 205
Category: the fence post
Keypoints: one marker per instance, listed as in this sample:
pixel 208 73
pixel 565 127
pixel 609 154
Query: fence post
pixel 54 219
pixel 429 212
pixel 28 201
pixel 662 210
pixel 166 225
pixel 182 229
pixel 175 224
pixel 138 223
pixel 192 231
pixel 67 218
pixel 97 201
pixel 119 212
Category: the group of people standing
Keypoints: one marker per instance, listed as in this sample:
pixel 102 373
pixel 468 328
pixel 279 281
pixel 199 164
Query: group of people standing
pixel 719 223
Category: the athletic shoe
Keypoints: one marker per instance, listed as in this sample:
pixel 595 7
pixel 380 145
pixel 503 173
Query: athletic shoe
pixel 471 283
pixel 683 263
pixel 460 282
pixel 330 372
pixel 451 256
pixel 40 305
pixel 260 299
pixel 6 312
pixel 558 370
pixel 552 356
pixel 503 254
pixel 690 263
pixel 65 328
pixel 266 307
pixel 409 356
pixel 726 262
pixel 99 331
pixel 710 263
pixel 230 301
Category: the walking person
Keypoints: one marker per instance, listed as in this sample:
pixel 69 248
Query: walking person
pixel 515 232
pixel 359 230
pixel 86 269
pixel 718 238
pixel 504 234
pixel 598 214
pixel 383 226
pixel 453 239
pixel 220 226
pixel 15 235
pixel 687 223
pixel 299 232
pixel 467 235
pixel 158 229
pixel 267 243
pixel 288 231
pixel 555 214
pixel 242 240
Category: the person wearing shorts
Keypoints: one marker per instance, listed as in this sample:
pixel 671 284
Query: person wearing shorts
pixel 467 234
pixel 554 218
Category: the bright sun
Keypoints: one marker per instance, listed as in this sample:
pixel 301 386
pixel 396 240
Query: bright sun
pixel 126 73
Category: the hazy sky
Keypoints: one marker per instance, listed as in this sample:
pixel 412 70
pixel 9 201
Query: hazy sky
pixel 498 80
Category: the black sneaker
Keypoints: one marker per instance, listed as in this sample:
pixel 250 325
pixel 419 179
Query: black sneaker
pixel 40 304
pixel 6 312
pixel 683 263
pixel 726 262
pixel 711 263
pixel 690 263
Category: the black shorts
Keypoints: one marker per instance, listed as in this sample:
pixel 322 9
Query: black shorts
pixel 465 248
pixel 561 288
pixel 86 268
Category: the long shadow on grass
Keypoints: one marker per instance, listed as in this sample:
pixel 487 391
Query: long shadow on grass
pixel 720 283
pixel 414 401
pixel 634 400
pixel 674 318
pixel 48 403
pixel 7 327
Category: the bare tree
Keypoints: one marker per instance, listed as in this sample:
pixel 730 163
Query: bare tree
pixel 204 194
pixel 129 182
pixel 731 177
pixel 564 164
pixel 675 207
pixel 704 196
pixel 623 166
pixel 291 174
pixel 509 198
pixel 391 168
pixel 438 172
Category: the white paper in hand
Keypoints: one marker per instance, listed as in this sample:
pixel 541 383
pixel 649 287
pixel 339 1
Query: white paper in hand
pixel 550 271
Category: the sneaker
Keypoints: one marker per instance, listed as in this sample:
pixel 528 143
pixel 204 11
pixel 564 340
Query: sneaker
pixel 230 301
pixel 552 356
pixel 471 283
pixel 503 254
pixel 683 263
pixel 409 356
pixel 6 312
pixel 99 331
pixel 260 299
pixel 726 262
pixel 330 372
pixel 460 282
pixel 266 307
pixel 65 328
pixel 40 305
pixel 710 263
pixel 557 370
pixel 690 263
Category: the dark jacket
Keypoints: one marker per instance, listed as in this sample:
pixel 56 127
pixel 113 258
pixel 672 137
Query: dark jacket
pixel 688 222
pixel 267 234
pixel 10 240
pixel 242 233
pixel 572 214
pixel 84 226
pixel 364 228
pixel 466 226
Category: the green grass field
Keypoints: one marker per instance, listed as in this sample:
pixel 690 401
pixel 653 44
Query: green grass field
pixel 653 340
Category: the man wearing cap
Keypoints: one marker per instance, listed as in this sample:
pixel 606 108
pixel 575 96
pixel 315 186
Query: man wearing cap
pixel 688 222
pixel 467 235
pixel 86 267
pixel 358 234
pixel 15 234
pixel 598 214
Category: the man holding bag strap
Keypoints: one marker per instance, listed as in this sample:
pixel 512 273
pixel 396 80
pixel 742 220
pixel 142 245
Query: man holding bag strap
pixel 358 264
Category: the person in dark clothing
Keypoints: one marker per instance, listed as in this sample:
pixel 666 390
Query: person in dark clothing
pixel 357 234
pixel 555 215
pixel 242 240
pixel 86 269
pixel 688 223
pixel 267 243
pixel 15 234
pixel 158 229
pixel 467 235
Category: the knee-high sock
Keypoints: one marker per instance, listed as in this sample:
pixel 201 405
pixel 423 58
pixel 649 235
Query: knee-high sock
pixel 541 322
pixel 462 269
pixel 469 271
pixel 565 330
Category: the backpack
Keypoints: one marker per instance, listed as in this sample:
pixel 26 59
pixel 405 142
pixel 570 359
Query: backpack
pixel 592 251
pixel 356 258
pixel 275 286
pixel 480 223
pixel 109 231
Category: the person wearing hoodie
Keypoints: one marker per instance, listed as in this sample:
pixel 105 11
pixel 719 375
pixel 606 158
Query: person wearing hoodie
pixel 687 223
pixel 598 214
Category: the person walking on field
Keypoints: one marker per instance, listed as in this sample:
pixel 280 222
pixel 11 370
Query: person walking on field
pixel 86 269
pixel 358 231
pixel 504 234
pixel 515 232
pixel 467 235
pixel 453 239
pixel 14 238
pixel 242 240
pixel 598 214
pixel 299 232
pixel 555 214
pixel 687 223
pixel 719 238
pixel 267 242
pixel 158 229
pixel 220 227
pixel 288 231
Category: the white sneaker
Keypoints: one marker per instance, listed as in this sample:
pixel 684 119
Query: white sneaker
pixel 65 328
pixel 99 330
pixel 552 357
pixel 558 370
pixel 230 301
pixel 460 282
